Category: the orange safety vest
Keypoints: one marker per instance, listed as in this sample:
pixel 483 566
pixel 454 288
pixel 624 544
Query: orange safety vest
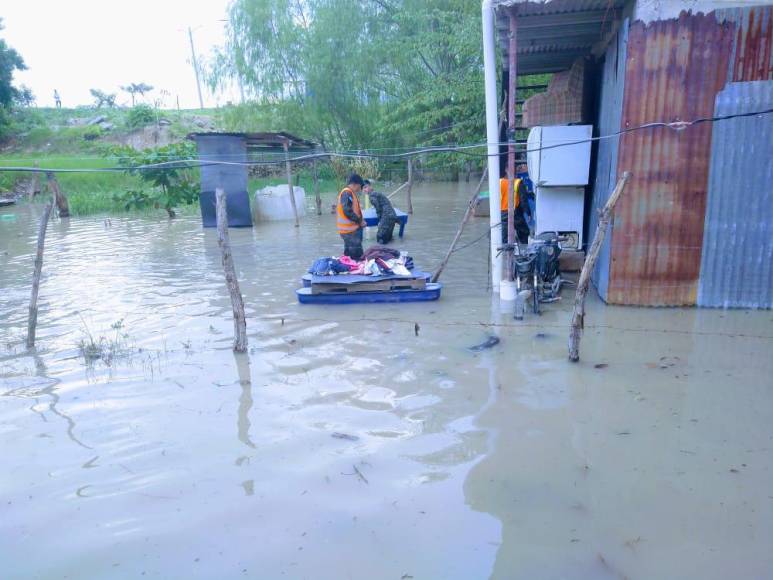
pixel 503 193
pixel 345 225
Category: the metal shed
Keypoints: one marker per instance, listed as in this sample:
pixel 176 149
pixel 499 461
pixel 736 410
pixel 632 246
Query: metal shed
pixel 225 159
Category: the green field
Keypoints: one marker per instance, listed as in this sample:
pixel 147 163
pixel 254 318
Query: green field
pixel 91 193
pixel 63 139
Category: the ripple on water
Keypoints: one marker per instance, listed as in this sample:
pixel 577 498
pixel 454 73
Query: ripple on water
pixel 178 455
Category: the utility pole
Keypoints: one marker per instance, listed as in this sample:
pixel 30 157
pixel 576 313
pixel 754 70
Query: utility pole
pixel 195 67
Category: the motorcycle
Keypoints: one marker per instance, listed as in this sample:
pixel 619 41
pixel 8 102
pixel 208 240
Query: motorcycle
pixel 536 268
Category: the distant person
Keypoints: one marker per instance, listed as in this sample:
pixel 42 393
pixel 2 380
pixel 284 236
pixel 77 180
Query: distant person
pixel 57 99
pixel 349 218
pixel 521 208
pixel 385 212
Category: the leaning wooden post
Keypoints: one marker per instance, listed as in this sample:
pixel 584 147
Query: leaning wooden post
pixel 410 184
pixel 62 206
pixel 396 190
pixel 465 219
pixel 35 185
pixel 237 302
pixel 290 181
pixel 32 321
pixel 317 198
pixel 578 317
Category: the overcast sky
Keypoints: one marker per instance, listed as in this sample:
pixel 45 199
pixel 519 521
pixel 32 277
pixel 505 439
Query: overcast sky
pixel 76 45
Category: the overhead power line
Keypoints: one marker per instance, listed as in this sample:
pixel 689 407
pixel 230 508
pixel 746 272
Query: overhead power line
pixel 466 149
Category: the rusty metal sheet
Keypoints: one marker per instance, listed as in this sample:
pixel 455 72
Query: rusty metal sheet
pixel 751 58
pixel 674 69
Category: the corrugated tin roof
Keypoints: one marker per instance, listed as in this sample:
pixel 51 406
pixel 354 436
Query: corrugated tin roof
pixel 674 70
pixel 549 7
pixel 264 140
pixel 552 34
pixel 737 263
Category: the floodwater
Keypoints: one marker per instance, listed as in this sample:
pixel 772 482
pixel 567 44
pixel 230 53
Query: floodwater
pixel 170 457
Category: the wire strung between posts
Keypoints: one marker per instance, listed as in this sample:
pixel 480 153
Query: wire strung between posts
pixel 476 240
pixel 460 149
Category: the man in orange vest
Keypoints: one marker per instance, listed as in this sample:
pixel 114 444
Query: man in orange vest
pixel 349 217
pixel 521 206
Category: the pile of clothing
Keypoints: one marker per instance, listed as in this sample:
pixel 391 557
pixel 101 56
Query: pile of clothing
pixel 376 261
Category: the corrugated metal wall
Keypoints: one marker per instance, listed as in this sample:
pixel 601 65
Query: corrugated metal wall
pixel 751 58
pixel 674 70
pixel 610 112
pixel 737 264
pixel 222 148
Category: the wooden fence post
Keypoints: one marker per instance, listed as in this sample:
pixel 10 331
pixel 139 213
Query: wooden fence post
pixel 62 206
pixel 578 316
pixel 35 185
pixel 32 321
pixel 317 198
pixel 237 302
pixel 410 184
pixel 465 219
pixel 290 181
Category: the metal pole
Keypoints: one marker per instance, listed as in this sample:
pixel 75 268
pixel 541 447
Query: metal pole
pixel 286 144
pixel 317 198
pixel 410 184
pixel 195 67
pixel 511 90
pixel 492 134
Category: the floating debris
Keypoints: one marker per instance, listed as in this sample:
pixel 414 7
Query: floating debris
pixel 344 436
pixel 490 342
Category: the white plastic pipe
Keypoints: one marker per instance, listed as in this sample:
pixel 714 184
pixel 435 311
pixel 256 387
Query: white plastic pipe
pixel 492 135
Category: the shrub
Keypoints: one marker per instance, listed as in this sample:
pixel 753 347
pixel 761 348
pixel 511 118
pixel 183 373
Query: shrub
pixel 172 185
pixel 140 116
pixel 366 167
pixel 92 133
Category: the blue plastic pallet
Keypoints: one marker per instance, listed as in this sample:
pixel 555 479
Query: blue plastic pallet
pixel 431 292
pixel 307 279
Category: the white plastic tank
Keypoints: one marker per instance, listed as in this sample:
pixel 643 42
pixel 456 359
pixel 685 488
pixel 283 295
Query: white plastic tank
pixel 272 203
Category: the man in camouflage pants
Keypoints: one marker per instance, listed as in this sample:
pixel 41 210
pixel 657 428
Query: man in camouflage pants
pixel 387 218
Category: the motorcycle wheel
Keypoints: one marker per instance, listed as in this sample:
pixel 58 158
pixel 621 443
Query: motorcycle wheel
pixel 535 294
pixel 520 307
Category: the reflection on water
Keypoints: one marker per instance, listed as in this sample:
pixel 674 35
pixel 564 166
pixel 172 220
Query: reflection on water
pixel 179 458
pixel 245 400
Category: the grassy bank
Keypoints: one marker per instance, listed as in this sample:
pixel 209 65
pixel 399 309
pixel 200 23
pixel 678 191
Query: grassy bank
pixel 75 132
pixel 90 193
pixel 87 192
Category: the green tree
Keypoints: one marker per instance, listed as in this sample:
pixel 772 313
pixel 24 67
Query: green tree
pixel 434 47
pixel 137 89
pixel 102 98
pixel 372 74
pixel 10 62
pixel 311 65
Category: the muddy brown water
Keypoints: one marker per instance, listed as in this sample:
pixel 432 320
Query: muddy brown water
pixel 177 459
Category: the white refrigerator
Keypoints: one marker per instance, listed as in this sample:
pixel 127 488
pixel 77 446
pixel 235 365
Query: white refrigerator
pixel 558 158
